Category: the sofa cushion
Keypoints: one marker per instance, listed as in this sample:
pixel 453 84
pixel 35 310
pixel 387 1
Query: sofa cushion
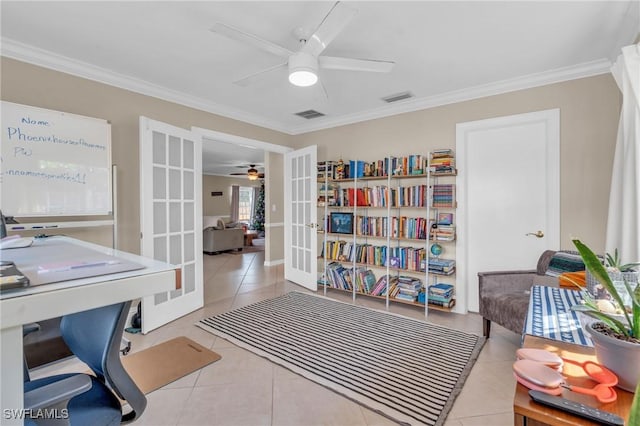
pixel 507 309
pixel 212 221
pixel 220 224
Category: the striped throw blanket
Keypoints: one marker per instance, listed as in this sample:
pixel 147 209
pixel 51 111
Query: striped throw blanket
pixel 565 261
pixel 550 315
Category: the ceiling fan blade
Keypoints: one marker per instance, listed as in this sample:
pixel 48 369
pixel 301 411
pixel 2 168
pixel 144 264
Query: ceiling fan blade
pixel 239 35
pixel 352 64
pixel 335 21
pixel 252 78
pixel 323 91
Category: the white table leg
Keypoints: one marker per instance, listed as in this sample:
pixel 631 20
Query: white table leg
pixel 11 385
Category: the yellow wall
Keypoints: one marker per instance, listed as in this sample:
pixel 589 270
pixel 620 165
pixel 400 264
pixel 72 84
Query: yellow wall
pixel 589 113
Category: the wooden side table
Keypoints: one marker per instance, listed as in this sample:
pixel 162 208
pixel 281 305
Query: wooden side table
pixel 249 236
pixel 529 413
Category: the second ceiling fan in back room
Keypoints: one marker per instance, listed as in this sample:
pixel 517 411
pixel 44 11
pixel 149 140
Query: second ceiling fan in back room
pixel 252 173
pixel 304 64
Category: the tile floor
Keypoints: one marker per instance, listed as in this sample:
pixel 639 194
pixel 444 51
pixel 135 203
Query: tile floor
pixel 244 389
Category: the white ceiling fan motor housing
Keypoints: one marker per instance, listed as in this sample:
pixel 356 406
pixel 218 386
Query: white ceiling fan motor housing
pixel 303 69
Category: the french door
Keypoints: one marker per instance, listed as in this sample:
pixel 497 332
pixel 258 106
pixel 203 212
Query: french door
pixel 171 216
pixel 300 219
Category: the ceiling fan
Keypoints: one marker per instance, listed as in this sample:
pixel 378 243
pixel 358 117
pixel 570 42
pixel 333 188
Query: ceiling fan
pixel 303 65
pixel 252 173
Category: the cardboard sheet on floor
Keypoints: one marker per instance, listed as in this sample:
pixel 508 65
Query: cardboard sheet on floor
pixel 159 365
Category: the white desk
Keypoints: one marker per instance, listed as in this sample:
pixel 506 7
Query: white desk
pixel 53 300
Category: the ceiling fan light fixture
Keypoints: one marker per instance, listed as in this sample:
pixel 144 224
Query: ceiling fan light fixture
pixel 303 69
pixel 252 173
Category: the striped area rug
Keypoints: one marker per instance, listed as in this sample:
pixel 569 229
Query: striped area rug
pixel 407 370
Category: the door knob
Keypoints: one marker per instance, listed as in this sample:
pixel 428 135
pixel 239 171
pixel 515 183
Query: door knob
pixel 311 225
pixel 538 234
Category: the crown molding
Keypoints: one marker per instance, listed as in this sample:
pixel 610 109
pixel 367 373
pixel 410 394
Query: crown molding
pixel 559 75
pixel 33 55
pixel 40 57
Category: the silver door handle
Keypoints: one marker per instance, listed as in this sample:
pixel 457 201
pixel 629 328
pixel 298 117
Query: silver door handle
pixel 538 234
pixel 311 225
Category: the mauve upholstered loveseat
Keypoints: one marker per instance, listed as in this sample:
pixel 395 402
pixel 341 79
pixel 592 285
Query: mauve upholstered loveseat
pixel 504 295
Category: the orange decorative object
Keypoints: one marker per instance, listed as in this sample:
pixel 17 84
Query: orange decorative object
pixel 571 279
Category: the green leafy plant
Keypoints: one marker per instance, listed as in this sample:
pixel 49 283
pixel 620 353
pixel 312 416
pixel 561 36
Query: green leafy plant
pixel 614 262
pixel 634 414
pixel 594 265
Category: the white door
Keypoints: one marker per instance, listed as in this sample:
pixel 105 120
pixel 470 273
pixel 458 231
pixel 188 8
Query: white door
pixel 300 218
pixel 171 216
pixel 508 195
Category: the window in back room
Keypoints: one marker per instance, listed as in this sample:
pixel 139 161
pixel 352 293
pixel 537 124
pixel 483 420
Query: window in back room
pixel 245 209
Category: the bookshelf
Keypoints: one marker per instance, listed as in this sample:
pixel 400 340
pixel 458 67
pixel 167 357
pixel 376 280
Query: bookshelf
pixel 377 219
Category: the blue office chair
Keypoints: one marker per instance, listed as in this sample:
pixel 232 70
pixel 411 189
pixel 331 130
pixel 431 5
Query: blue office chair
pixel 94 336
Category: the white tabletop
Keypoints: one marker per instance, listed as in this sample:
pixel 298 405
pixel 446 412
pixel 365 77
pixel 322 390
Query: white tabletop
pixel 46 301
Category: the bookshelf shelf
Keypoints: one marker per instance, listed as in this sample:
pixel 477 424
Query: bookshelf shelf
pixel 390 216
pixel 399 270
pixel 404 302
pixel 382 237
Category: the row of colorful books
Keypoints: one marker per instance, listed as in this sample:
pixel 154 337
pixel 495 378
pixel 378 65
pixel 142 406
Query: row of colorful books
pixel 346 251
pixel 399 287
pixel 404 288
pixel 442 161
pixel 401 227
pixel 414 164
pixel 407 258
pixel 377 196
pixel 443 195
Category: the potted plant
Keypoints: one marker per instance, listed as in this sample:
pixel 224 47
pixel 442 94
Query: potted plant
pixel 616 336
pixel 618 273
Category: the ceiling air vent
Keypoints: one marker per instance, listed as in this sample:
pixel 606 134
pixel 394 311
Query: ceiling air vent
pixel 309 114
pixel 398 97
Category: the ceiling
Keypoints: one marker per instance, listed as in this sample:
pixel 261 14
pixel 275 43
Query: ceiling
pixel 221 158
pixel 444 52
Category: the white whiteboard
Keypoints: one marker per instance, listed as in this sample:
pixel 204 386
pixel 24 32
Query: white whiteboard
pixel 54 163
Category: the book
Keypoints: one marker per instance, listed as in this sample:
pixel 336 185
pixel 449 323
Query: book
pixel 450 304
pixel 440 288
pixel 445 219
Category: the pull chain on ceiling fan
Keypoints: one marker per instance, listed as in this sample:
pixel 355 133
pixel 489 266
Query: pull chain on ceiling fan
pixel 303 65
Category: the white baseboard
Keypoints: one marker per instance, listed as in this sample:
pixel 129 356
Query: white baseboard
pixel 274 262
